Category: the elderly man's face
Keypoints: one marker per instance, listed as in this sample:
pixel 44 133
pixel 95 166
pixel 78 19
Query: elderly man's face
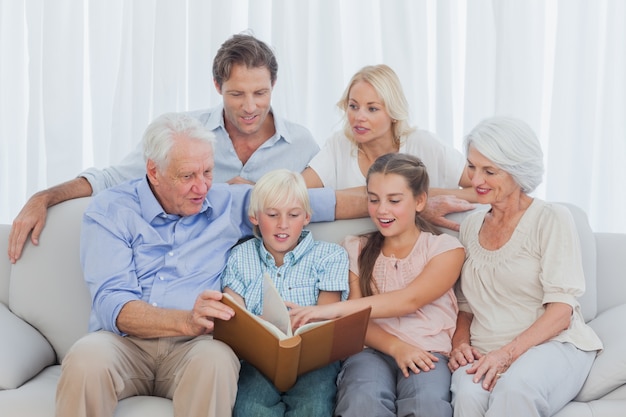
pixel 183 184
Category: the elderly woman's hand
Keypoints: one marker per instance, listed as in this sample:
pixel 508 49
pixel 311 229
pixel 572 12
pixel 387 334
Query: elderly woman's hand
pixel 461 355
pixel 491 367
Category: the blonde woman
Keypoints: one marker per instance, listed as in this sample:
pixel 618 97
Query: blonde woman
pixel 376 122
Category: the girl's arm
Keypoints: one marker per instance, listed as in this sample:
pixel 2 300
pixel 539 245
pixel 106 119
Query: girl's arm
pixel 438 276
pixel 407 357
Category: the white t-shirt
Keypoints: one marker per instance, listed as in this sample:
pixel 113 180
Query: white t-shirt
pixel 337 164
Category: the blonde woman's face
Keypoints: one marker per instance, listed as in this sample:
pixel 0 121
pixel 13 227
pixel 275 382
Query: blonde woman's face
pixel 368 115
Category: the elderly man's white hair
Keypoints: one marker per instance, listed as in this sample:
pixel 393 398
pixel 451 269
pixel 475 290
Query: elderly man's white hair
pixel 159 135
pixel 511 145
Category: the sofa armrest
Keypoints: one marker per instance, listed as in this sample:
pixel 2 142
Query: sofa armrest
pixel 611 270
pixel 609 368
pixel 24 352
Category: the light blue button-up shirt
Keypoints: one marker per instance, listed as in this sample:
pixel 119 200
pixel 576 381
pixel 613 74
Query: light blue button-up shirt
pixel 132 250
pixel 291 147
pixel 312 266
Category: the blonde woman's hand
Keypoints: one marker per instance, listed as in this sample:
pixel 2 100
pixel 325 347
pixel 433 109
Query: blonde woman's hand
pixel 461 355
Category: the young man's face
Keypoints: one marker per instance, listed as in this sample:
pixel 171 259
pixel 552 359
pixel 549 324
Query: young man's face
pixel 183 184
pixel 280 228
pixel 247 96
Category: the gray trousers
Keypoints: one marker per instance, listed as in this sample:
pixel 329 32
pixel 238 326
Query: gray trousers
pixel 199 374
pixel 371 384
pixel 539 383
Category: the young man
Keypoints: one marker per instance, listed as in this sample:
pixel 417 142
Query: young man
pixel 250 139
pixel 152 251
pixel 305 272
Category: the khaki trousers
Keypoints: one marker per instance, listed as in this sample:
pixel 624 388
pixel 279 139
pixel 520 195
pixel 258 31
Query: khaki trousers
pixel 198 374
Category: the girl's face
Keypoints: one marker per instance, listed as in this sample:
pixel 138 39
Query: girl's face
pixel 392 205
pixel 367 114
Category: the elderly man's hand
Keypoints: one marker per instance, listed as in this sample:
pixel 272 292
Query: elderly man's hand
pixel 208 306
pixel 439 206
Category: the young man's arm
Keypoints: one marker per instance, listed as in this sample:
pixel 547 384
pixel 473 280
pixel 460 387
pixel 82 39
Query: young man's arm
pixel 32 218
pixel 351 203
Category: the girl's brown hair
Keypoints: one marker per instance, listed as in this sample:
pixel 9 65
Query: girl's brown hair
pixel 414 172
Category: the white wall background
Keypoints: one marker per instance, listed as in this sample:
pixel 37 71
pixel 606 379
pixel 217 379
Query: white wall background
pixel 80 80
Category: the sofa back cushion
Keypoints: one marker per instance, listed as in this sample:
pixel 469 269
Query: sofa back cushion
pixel 5 265
pixel 589 301
pixel 47 288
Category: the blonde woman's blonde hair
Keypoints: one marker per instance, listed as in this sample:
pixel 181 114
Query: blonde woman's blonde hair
pixel 277 188
pixel 387 85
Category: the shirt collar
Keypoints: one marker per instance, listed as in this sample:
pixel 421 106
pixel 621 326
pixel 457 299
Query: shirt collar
pixel 151 208
pixel 216 119
pixel 305 242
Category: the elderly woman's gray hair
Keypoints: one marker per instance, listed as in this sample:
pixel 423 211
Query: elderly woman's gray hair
pixel 512 146
pixel 159 135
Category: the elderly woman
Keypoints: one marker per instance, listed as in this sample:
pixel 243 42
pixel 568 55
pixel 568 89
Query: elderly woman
pixel 521 347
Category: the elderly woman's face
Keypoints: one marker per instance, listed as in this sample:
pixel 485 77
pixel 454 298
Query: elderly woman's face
pixel 492 184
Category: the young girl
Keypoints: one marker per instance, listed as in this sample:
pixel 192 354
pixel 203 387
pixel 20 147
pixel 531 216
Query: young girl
pixel 405 271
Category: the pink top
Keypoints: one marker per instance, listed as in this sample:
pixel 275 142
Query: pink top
pixel 430 327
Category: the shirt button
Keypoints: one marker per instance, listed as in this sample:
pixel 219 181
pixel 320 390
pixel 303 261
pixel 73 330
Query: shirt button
pixel 170 253
pixel 161 278
pixel 154 304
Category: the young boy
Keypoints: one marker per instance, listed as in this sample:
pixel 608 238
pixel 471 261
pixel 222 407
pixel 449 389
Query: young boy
pixel 305 272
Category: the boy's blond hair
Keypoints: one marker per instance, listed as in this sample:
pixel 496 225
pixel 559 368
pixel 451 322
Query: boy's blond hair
pixel 277 188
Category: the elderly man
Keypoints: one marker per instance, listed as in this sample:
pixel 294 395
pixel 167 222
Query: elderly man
pixel 152 251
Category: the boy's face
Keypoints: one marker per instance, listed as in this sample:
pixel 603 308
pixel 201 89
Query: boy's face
pixel 280 228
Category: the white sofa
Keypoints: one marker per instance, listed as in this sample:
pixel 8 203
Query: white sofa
pixel 44 308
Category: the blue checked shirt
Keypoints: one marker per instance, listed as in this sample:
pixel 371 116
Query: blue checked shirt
pixel 132 250
pixel 312 266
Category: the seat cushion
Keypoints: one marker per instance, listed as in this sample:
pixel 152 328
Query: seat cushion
pixel 24 352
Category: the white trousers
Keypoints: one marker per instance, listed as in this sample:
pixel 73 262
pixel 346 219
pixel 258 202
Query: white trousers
pixel 538 384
